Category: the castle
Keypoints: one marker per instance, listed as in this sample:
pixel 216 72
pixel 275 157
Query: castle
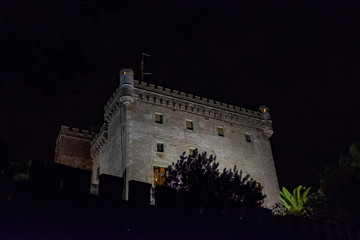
pixel 147 127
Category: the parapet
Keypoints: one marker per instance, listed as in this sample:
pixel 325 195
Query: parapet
pixel 99 140
pixel 76 132
pixel 112 105
pixel 201 100
pixel 194 104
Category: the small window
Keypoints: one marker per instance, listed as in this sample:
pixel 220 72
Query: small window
pixel 220 131
pixel 248 137
pixel 258 184
pixel 189 125
pixel 159 176
pixel 191 151
pixel 160 147
pixel 159 118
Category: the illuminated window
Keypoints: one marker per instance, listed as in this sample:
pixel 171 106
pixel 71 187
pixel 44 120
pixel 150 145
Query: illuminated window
pixel 160 147
pixel 189 125
pixel 248 137
pixel 220 131
pixel 159 176
pixel 159 118
pixel 191 151
pixel 258 184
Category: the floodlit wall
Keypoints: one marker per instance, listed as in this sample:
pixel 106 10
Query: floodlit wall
pixel 254 157
pixel 130 136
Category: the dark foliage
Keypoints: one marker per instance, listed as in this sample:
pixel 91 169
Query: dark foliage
pixel 198 176
pixel 337 199
pixel 234 186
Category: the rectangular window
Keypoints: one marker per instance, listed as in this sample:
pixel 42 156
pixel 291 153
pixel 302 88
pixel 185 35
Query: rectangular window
pixel 220 131
pixel 160 147
pixel 159 118
pixel 159 176
pixel 189 125
pixel 248 137
pixel 191 151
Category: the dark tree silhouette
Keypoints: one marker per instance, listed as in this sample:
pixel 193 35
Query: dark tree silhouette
pixel 234 186
pixel 337 199
pixel 198 176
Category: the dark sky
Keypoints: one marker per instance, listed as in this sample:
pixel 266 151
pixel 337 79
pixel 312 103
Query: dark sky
pixel 60 62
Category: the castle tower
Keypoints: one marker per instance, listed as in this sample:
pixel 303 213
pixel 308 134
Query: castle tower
pixel 147 127
pixel 267 127
pixel 126 86
pixel 265 112
pixel 73 148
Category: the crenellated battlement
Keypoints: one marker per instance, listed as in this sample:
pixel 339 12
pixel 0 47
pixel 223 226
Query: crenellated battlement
pixel 73 148
pixel 76 132
pixel 188 102
pixel 99 140
pixel 111 101
pixel 197 99
pixel 194 98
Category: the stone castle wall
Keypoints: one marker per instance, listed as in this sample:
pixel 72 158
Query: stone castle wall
pixel 130 135
pixel 254 158
pixel 73 148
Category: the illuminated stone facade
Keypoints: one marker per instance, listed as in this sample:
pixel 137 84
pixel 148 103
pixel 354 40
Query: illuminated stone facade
pixel 73 148
pixel 147 127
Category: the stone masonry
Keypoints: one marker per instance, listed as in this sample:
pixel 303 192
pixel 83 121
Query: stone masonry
pixel 73 148
pixel 147 126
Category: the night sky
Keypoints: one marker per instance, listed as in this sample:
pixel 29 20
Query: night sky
pixel 60 63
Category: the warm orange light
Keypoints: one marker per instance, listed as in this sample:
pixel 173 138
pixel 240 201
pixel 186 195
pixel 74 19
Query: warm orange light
pixel 264 109
pixel 124 73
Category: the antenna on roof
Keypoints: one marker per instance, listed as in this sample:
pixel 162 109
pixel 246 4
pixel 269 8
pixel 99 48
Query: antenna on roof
pixel 142 66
